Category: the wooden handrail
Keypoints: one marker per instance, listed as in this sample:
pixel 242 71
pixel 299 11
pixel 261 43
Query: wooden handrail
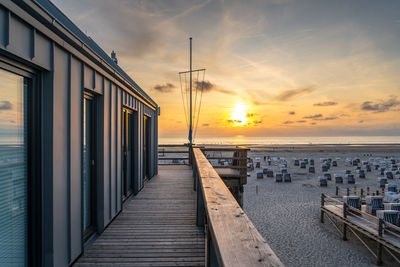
pixel 234 239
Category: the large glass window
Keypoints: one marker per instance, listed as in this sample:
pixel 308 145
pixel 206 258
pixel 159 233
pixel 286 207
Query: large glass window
pixel 146 147
pixel 89 186
pixel 127 150
pixel 13 170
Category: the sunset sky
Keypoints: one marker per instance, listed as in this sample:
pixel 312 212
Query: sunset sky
pixel 274 68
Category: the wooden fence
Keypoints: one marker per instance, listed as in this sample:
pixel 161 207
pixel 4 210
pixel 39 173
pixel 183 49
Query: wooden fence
pixel 231 238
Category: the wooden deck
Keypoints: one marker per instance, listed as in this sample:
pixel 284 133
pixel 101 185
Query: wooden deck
pixel 362 224
pixel 157 228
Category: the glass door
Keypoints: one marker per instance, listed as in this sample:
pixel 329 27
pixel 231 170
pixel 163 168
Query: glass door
pixel 146 147
pixel 127 153
pixel 89 182
pixel 14 206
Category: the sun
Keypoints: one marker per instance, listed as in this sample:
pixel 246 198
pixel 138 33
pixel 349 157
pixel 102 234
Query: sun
pixel 239 115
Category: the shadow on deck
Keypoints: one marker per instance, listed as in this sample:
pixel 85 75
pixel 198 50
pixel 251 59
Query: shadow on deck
pixel 157 228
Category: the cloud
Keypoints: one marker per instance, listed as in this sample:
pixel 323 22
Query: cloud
pixel 5 105
pixel 292 113
pixel 164 88
pixel 292 93
pixel 288 122
pixel 383 106
pixel 326 119
pixel 320 117
pixel 207 86
pixel 313 116
pixel 360 121
pixel 205 124
pixel 313 123
pixel 326 104
pixel 301 121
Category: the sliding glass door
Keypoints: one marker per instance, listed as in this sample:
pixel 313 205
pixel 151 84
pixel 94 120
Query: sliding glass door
pixel 14 195
pixel 127 150
pixel 146 147
pixel 89 169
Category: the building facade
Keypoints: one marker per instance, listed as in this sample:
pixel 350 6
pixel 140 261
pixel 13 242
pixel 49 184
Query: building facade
pixel 78 137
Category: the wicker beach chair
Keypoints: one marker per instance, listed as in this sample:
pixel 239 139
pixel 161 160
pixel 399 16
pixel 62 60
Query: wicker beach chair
pixel 390 216
pixel 353 201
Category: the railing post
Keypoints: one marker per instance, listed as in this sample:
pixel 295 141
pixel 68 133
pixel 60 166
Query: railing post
pixel 190 155
pixel 379 252
pixel 211 256
pixel 348 191
pixel 322 205
pixel 200 204
pixel 344 237
pixel 337 190
pixel 195 175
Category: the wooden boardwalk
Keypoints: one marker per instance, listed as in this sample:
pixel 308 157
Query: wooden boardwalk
pixel 157 228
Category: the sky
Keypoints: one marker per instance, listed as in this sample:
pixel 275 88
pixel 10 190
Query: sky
pixel 273 68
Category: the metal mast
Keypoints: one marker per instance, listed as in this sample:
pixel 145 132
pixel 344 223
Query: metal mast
pixel 191 116
pixel 190 71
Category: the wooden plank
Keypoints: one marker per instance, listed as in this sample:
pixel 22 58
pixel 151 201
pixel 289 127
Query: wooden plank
pixel 156 228
pixel 364 224
pixel 237 242
pixel 223 173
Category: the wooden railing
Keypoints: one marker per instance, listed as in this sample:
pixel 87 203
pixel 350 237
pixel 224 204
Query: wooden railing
pixel 386 235
pixel 231 238
pixel 173 155
pixel 233 169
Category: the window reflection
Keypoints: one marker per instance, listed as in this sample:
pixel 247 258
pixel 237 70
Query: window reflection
pixel 13 170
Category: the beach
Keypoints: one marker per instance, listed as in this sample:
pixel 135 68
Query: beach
pixel 287 214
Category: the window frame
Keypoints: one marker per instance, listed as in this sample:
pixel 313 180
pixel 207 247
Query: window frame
pixel 34 156
pixel 92 229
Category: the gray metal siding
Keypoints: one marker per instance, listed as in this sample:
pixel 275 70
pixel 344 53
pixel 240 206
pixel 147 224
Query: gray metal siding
pixel 60 161
pixel 65 76
pixel 107 160
pixel 76 157
pixel 119 144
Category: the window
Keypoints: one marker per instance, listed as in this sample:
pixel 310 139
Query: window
pixel 146 147
pixel 14 174
pixel 89 167
pixel 127 153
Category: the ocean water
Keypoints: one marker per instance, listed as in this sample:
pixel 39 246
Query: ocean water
pixel 260 140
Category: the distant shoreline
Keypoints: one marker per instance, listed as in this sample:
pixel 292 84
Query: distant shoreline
pixel 309 147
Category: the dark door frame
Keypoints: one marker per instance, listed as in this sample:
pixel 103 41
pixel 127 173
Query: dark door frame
pixel 146 147
pixel 32 79
pixel 93 168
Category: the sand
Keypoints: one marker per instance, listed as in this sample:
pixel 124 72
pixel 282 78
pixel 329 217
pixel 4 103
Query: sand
pixel 287 214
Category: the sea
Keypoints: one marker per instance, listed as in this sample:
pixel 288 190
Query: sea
pixel 268 140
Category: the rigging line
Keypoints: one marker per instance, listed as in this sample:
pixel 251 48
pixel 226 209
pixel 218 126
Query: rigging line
pixel 186 104
pixel 187 101
pixel 183 100
pixel 195 101
pixel 201 97
pixel 197 87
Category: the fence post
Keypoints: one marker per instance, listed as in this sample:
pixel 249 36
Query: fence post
pixel 361 192
pixel 322 205
pixel 200 204
pixel 379 252
pixel 190 154
pixel 337 190
pixel 344 237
